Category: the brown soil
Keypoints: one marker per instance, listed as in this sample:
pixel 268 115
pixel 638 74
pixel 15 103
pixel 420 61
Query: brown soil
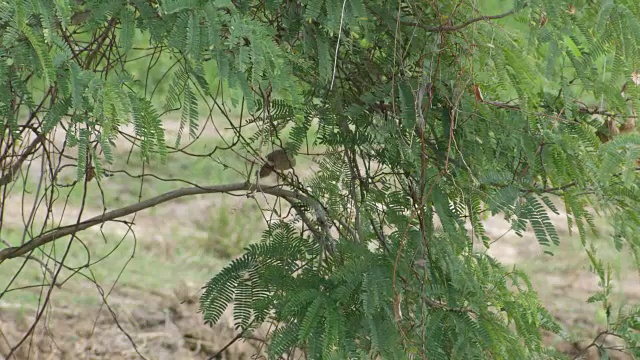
pixel 162 327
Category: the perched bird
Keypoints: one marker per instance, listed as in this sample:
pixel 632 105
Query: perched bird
pixel 277 160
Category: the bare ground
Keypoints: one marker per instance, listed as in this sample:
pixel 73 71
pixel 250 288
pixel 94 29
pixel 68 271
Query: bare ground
pixel 166 325
pixel 162 327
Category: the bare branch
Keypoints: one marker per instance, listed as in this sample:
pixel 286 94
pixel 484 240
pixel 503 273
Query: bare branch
pixel 47 237
pixel 8 176
pixel 582 109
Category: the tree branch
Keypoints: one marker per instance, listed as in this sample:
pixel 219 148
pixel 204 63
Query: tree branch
pixel 584 109
pixel 8 176
pixel 464 24
pixel 47 237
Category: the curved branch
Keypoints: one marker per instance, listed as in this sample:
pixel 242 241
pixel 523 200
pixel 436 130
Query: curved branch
pixel 466 23
pixel 47 237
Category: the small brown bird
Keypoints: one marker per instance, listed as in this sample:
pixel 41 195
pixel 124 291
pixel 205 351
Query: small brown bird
pixel 277 160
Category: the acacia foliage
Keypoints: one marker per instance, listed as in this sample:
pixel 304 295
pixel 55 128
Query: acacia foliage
pixel 432 116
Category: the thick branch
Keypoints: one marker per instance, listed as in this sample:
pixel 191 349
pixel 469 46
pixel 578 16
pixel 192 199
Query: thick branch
pixel 16 251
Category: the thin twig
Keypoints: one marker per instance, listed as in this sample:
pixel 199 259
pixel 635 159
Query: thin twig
pixel 582 109
pixel 464 24
pixel 8 176
pixel 335 58
pixel 231 342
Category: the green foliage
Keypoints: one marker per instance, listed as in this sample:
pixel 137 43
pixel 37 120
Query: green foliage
pixel 380 259
pixel 434 157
